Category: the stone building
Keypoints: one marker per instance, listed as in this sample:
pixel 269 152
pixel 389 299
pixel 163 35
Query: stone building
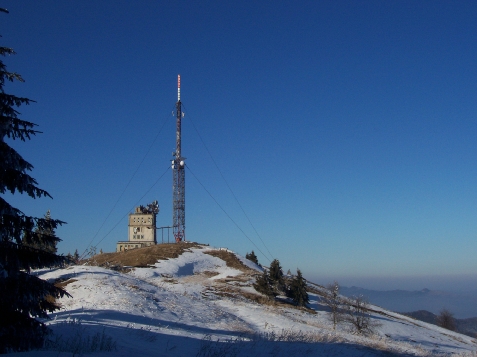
pixel 141 228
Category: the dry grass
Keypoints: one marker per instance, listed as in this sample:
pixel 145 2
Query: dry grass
pixel 234 293
pixel 142 257
pixel 260 299
pixel 62 283
pixel 231 260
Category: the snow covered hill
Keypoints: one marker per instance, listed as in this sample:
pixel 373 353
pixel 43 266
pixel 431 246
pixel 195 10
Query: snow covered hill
pixel 202 303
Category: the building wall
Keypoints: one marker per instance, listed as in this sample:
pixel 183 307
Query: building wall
pixel 123 246
pixel 142 227
pixel 141 231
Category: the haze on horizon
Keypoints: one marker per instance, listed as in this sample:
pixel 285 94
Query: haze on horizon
pixel 450 283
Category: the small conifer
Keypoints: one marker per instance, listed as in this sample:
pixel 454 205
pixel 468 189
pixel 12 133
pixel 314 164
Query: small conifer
pixel 298 291
pixel 263 285
pixel 76 257
pixel 252 257
pixel 45 238
pixel 276 277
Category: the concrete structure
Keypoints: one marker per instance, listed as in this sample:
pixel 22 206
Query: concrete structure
pixel 141 228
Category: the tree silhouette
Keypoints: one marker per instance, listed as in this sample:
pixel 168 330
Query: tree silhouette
pixel 23 296
pixel 297 290
pixel 446 320
pixel 252 257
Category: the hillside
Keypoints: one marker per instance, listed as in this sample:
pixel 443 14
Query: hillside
pixel 195 300
pixel 465 326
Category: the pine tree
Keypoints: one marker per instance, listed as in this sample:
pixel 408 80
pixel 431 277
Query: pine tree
pixel 263 285
pixel 45 236
pixel 276 277
pixel 297 289
pixel 76 257
pixel 252 257
pixel 23 296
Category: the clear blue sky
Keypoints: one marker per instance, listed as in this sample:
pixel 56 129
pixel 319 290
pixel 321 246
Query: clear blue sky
pixel 346 129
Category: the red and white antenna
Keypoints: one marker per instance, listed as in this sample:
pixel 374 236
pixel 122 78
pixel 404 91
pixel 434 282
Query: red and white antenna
pixel 178 176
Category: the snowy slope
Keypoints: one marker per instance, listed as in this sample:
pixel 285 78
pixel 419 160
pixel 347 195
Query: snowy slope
pixel 182 306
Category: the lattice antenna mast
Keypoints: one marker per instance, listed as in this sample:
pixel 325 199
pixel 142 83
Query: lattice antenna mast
pixel 178 176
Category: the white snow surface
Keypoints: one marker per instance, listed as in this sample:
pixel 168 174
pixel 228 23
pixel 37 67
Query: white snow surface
pixel 189 306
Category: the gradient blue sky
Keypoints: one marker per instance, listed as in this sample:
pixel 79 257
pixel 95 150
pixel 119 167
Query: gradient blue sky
pixel 346 129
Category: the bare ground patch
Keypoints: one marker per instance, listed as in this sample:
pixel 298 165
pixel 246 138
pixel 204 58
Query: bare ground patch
pixel 210 274
pixel 231 260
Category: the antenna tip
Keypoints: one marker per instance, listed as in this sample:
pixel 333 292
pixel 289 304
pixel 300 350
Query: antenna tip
pixel 178 81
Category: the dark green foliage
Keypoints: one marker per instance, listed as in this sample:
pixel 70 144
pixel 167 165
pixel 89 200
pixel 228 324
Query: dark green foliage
pixel 73 259
pixel 263 285
pixel 276 277
pixel 297 290
pixel 45 236
pixel 252 257
pixel 22 296
pixel 76 257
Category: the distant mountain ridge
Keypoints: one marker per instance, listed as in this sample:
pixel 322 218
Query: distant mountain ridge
pixel 466 326
pixel 462 305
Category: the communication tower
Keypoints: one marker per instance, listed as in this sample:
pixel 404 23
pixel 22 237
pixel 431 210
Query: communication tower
pixel 178 176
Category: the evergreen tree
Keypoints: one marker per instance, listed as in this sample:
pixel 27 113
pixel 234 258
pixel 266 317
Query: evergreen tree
pixel 297 289
pixel 45 236
pixel 263 285
pixel 252 257
pixel 23 296
pixel 276 277
pixel 69 258
pixel 76 257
